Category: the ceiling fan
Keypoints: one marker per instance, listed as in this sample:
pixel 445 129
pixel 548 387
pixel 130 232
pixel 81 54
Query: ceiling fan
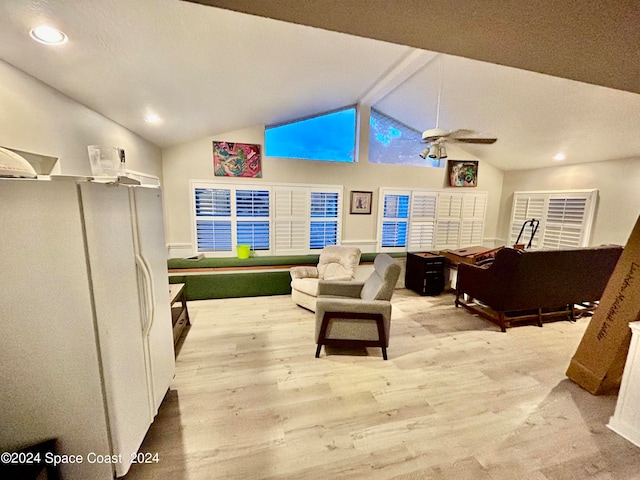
pixel 437 137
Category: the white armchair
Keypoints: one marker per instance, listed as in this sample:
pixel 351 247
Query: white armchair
pixel 335 263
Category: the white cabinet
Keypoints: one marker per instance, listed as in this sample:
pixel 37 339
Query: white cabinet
pixel 626 418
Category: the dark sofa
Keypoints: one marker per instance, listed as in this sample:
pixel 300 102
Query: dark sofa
pixel 531 285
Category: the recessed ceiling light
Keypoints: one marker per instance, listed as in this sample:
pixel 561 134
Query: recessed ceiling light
pixel 560 156
pixel 48 35
pixel 152 118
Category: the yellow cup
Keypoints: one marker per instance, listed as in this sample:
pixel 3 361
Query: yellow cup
pixel 243 251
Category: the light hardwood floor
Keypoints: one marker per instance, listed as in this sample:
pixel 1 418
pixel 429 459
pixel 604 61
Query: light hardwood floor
pixel 457 399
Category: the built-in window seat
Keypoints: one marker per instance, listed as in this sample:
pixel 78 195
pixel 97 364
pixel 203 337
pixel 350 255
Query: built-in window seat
pixel 230 277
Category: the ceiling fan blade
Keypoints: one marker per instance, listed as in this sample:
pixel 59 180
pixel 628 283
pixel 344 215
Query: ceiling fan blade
pixel 462 132
pixel 482 140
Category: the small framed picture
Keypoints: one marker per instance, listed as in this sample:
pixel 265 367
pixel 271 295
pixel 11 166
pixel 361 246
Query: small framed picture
pixel 463 173
pixel 361 202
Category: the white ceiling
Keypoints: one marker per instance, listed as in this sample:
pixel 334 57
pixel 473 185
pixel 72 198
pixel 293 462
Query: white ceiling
pixel 208 71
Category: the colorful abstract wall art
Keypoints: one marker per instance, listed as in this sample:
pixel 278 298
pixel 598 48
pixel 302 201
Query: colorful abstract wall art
pixel 232 159
pixel 463 173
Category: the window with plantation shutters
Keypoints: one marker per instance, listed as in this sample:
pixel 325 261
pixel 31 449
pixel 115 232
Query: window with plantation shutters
pixel 526 206
pixel 213 220
pixel 252 218
pixel 421 220
pixel 565 217
pixel 395 221
pixel 291 220
pixel 323 227
pixel 275 219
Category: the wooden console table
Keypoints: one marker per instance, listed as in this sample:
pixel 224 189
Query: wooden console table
pixel 476 255
pixel 473 255
pixel 179 312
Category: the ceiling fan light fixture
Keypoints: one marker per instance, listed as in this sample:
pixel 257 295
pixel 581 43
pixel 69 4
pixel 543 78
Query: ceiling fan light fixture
pixel 443 152
pixel 425 153
pixel 435 152
pixel 434 133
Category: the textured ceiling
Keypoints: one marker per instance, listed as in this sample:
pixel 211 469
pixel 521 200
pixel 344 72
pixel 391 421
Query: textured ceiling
pixel 207 71
pixel 593 41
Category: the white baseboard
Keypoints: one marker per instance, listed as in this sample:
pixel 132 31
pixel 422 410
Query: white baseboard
pixel 630 432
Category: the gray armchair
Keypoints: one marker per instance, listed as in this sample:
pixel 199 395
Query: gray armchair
pixel 357 312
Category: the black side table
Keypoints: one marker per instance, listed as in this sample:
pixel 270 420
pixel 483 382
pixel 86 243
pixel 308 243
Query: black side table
pixel 425 273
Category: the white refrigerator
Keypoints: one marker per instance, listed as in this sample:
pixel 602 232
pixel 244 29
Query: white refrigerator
pixel 86 352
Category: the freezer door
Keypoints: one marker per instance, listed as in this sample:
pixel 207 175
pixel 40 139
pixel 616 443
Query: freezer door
pixel 111 253
pixel 152 250
pixel 50 376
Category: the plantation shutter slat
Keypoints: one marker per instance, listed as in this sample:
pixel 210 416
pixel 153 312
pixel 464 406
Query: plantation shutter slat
pixel 448 234
pixel 449 205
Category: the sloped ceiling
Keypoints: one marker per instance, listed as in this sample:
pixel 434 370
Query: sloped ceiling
pixel 207 71
pixel 593 41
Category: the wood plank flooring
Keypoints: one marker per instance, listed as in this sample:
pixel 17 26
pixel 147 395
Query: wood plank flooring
pixel 457 399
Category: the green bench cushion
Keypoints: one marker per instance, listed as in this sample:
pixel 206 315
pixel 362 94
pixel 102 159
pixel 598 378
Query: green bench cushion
pixel 237 283
pixel 277 260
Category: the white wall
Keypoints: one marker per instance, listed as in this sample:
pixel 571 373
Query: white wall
pixel 36 118
pixel 194 160
pixel 618 184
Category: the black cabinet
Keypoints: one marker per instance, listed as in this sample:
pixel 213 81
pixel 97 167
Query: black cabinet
pixel 425 273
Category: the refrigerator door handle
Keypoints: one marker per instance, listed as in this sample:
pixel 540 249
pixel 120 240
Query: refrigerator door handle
pixel 148 292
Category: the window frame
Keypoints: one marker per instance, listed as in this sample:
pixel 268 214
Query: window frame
pixel 382 219
pixel 354 151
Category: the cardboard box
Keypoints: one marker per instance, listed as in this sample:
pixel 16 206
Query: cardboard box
pixel 599 360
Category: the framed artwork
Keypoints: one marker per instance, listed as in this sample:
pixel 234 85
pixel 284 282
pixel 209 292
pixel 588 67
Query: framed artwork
pixel 463 173
pixel 232 159
pixel 361 202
